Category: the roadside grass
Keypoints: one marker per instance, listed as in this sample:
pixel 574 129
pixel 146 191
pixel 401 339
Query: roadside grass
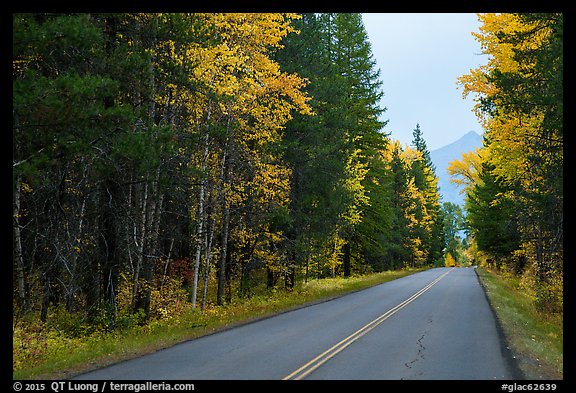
pixel 535 338
pixel 43 353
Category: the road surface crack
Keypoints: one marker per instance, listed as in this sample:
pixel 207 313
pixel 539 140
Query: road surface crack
pixel 421 349
pixel 419 354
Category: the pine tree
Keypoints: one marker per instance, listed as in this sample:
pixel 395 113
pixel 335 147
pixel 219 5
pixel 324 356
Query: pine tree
pixel 335 155
pixel 353 57
pixel 492 215
pixel 399 236
pixel 67 128
pixel 426 182
pixel 314 146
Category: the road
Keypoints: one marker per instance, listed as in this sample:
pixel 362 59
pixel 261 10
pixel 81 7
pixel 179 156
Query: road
pixel 436 324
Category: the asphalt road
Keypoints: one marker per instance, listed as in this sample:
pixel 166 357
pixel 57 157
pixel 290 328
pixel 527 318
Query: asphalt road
pixel 435 324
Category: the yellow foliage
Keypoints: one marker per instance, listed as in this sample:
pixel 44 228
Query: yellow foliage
pixel 25 187
pixel 510 132
pixel 449 260
pixel 356 172
pixel 465 172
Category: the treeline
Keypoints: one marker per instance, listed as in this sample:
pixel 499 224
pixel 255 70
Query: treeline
pixel 212 152
pixel 514 182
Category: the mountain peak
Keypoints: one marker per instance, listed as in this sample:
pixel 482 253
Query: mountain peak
pixel 471 135
pixel 471 138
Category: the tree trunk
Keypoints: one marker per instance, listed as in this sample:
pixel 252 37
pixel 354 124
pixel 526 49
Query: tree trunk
pixel 45 299
pixel 109 240
pixel 228 272
pixel 136 301
pixel 201 198
pixel 151 204
pixel 18 247
pixel 270 278
pixel 209 237
pixel 200 219
pixel 223 256
pixel 346 259
pixel 290 276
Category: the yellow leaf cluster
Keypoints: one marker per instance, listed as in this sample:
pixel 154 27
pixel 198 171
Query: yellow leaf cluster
pixel 449 260
pixel 356 172
pixel 465 172
pixel 509 132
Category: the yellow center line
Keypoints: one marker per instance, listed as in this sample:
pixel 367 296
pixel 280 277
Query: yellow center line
pixel 319 360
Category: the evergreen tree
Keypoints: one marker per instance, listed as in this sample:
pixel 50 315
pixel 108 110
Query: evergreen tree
pixel 396 252
pixel 335 155
pixel 453 223
pixel 155 151
pixel 492 216
pixel 353 57
pixel 429 218
pixel 68 126
pixel 314 146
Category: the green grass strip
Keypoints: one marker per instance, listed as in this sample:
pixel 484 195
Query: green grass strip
pixel 535 338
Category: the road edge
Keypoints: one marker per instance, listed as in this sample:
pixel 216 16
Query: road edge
pixel 71 374
pixel 505 348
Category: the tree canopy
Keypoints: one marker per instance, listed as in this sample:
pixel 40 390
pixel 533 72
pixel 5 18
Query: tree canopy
pixel 169 158
pixel 515 185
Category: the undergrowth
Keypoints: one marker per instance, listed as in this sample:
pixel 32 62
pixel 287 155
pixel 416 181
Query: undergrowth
pixel 68 343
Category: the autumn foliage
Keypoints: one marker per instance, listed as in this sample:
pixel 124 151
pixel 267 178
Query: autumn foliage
pixel 514 184
pixel 169 162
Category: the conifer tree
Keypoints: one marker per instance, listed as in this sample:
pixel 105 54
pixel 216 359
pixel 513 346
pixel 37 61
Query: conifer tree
pixel 426 182
pixel 353 57
pixel 314 146
pixel 520 102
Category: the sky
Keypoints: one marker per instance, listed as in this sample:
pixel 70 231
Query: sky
pixel 420 57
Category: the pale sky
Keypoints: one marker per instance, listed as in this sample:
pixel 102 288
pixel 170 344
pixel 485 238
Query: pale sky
pixel 420 56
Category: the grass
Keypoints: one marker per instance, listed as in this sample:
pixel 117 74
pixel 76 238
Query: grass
pixel 535 338
pixel 50 355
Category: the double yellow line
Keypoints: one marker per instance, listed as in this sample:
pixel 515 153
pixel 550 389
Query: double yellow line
pixel 319 360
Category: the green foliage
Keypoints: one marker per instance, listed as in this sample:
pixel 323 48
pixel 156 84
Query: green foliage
pixel 515 205
pixel 491 215
pixel 335 155
pixel 158 155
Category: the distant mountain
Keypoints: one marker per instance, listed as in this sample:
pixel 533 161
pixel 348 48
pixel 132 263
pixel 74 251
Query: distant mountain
pixel 443 156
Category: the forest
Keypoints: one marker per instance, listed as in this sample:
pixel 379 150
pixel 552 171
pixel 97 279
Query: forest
pixel 195 157
pixel 179 161
pixel 514 183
